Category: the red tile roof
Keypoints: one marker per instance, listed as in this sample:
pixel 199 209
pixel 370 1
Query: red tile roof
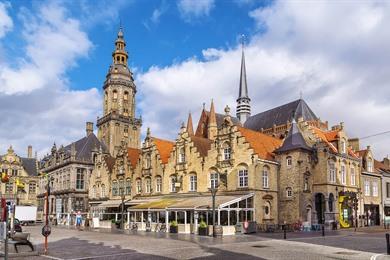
pixel 324 137
pixel 164 148
pixel 262 144
pixel 133 156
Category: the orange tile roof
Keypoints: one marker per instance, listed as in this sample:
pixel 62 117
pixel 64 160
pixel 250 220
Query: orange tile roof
pixel 262 144
pixel 362 153
pixel 332 135
pixel 110 161
pixel 164 148
pixel 381 166
pixel 352 153
pixel 133 156
pixel 323 136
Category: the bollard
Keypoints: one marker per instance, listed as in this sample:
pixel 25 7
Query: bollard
pixel 388 243
pixel 323 230
pixel 284 233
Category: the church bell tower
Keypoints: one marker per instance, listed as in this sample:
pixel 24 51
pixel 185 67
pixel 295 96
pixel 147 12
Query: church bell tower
pixel 119 122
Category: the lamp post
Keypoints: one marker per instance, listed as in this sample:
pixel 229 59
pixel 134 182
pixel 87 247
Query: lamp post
pixel 121 192
pixel 49 179
pixel 214 190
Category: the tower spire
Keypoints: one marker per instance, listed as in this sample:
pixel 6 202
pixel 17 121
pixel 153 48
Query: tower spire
pixel 243 110
pixel 190 127
pixel 212 123
pixel 120 54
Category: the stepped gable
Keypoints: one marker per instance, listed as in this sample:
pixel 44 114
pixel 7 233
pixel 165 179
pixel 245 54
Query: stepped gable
pixel 280 115
pixel 164 148
pixel 133 156
pixel 203 145
pixel 294 140
pixel 263 145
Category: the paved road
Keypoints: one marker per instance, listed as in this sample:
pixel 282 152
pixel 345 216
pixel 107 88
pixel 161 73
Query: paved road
pixel 73 244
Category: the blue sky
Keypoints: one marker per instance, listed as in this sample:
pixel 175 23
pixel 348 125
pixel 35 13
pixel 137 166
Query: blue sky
pixel 54 56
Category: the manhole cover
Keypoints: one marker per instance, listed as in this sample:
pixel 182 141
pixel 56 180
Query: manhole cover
pixel 346 253
pixel 259 246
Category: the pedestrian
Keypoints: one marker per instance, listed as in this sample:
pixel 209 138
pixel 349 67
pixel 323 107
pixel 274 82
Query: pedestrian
pixel 78 220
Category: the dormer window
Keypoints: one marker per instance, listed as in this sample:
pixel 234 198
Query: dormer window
pixel 369 165
pixel 343 146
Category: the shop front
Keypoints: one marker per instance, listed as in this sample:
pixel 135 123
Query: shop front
pixel 371 215
pixel 348 205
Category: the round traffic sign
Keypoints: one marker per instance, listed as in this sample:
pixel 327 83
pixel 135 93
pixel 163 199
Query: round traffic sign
pixel 46 230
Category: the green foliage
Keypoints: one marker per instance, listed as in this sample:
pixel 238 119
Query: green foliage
pixel 113 221
pixel 202 224
pixel 173 223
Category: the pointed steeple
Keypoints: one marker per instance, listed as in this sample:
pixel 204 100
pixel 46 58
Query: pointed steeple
pixel 294 140
pixel 243 110
pixel 212 123
pixel 190 127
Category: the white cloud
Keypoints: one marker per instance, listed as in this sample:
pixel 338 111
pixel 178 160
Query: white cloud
pixel 37 104
pixel 337 54
pixel 6 23
pixel 192 9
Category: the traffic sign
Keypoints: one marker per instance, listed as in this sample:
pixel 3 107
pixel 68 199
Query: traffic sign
pixel 46 230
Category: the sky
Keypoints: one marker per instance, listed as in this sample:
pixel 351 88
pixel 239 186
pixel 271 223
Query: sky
pixel 54 56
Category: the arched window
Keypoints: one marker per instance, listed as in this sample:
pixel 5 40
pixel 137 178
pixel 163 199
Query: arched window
pixel 126 96
pixel 214 176
pixel 158 184
pixel 343 174
pixel 128 186
pixel 289 192
pixel 289 161
pixel 114 188
pixel 242 178
pixel 226 151
pixel 193 182
pixel 114 95
pixel 265 177
pixel 138 186
pixel 148 185
pixel 331 202
pixel 332 171
pixel 182 156
pixel 172 185
pixel 267 210
pixel 353 176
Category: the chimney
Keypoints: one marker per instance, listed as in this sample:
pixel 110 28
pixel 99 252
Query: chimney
pixel 29 151
pixel 89 128
pixel 354 142
pixel 386 161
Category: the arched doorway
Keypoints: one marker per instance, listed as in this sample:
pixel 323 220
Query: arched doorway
pixel 320 207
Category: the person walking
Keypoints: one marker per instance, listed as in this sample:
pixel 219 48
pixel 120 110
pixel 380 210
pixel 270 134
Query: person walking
pixel 79 220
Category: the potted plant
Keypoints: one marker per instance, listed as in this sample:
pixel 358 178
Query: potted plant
pixel 113 224
pixel 203 229
pixel 173 227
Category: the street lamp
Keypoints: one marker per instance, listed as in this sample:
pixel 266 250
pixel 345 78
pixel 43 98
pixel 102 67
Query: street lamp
pixel 214 190
pixel 121 192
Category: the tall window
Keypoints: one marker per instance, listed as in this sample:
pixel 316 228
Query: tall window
pixel 126 96
pixel 375 189
pixel 173 184
pixel 226 151
pixel 289 161
pixel 369 165
pixel 353 176
pixel 343 175
pixel 214 180
pixel 80 179
pixel 158 184
pixel 14 172
pixel 128 187
pixel 367 188
pixel 138 185
pixel 193 183
pixel 114 188
pixel 265 178
pixel 332 172
pixel 148 185
pixel 243 178
pixel 32 188
pixel 103 191
pixel 148 161
pixel 115 95
pixel 288 192
pixel 121 187
pixel 343 147
pixel 182 155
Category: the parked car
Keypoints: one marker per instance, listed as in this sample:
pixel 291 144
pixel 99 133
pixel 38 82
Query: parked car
pixel 17 225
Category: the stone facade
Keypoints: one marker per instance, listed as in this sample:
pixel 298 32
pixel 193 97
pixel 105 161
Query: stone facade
pixel 22 173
